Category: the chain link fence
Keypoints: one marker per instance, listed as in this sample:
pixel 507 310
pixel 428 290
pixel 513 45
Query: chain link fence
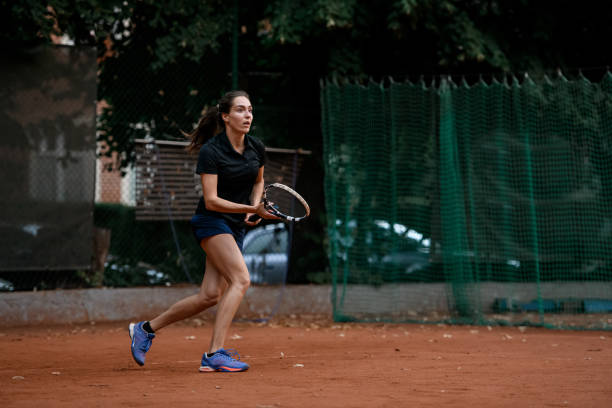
pixel 72 181
pixel 483 204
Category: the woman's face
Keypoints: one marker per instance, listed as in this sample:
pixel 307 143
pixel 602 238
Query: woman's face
pixel 240 116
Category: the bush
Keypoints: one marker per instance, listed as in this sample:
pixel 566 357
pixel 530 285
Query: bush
pixel 145 252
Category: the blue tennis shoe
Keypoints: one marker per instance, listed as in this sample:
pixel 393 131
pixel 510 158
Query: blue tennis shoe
pixel 223 360
pixel 141 342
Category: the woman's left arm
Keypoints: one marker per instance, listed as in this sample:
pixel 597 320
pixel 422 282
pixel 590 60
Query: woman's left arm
pixel 256 193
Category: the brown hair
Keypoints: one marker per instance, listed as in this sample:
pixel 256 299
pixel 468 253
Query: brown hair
pixel 211 123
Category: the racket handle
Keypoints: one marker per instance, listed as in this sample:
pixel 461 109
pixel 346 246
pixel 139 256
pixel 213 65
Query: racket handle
pixel 254 217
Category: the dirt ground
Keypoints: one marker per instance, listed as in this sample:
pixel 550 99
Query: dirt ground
pixel 309 361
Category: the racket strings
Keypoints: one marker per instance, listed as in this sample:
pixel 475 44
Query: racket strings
pixel 285 202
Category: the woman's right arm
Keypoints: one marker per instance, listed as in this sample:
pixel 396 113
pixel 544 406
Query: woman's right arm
pixel 214 203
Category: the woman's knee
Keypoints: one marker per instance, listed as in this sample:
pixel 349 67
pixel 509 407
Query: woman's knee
pixel 247 281
pixel 207 298
pixel 242 281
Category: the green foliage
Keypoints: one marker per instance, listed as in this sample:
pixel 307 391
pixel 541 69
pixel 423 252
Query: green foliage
pixel 24 23
pixel 158 42
pixel 502 34
pixel 162 63
pixel 141 246
pixel 140 45
pixel 294 21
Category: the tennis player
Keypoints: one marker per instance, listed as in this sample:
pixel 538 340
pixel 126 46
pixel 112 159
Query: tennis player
pixel 231 168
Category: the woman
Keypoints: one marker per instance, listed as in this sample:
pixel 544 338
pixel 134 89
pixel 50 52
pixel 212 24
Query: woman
pixel 231 168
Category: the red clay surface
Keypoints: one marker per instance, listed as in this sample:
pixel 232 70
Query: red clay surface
pixel 310 362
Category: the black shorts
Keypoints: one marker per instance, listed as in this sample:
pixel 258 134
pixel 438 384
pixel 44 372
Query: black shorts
pixel 204 226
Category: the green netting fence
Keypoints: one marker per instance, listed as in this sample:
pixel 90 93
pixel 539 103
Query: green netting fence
pixel 485 203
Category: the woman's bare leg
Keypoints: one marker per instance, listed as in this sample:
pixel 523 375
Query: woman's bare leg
pixel 225 255
pixel 213 286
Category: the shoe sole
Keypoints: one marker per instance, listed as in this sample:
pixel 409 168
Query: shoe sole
pixel 208 369
pixel 131 330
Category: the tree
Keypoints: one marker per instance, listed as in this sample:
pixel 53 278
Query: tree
pixel 162 63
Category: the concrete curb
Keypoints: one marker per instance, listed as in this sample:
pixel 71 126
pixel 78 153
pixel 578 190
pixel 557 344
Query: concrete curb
pixel 120 304
pixel 408 300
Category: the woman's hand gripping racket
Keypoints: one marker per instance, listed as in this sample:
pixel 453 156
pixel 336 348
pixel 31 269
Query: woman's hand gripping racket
pixel 283 202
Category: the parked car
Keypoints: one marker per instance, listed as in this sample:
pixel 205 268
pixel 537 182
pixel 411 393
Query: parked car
pixel 401 251
pixel 265 254
pixel 6 286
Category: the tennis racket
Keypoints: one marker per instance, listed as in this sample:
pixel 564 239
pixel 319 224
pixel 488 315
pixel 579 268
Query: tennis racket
pixel 284 202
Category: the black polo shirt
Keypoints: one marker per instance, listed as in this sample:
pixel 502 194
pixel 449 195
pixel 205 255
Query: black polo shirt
pixel 236 173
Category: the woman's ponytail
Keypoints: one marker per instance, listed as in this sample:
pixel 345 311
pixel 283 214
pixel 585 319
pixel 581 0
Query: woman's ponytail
pixel 210 124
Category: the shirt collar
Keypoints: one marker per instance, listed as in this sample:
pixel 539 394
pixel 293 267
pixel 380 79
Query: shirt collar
pixel 248 144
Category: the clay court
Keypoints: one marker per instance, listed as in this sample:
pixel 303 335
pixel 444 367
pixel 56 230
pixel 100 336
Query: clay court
pixel 309 361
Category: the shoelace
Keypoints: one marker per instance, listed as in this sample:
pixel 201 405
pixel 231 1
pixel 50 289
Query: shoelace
pixel 146 344
pixel 230 353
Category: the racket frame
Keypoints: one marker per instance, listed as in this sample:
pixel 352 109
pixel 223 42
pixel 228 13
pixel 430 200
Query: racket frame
pixel 272 210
